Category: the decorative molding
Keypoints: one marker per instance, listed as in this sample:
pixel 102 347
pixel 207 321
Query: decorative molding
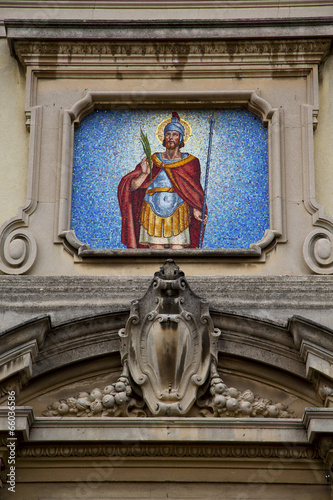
pixel 19 351
pixel 170 29
pixel 176 4
pixel 24 419
pixel 18 246
pixel 286 452
pixel 318 48
pixel 318 422
pixel 318 359
pixel 169 357
pixel 248 98
pixel 297 294
pixel 325 450
pixel 318 244
pixel 17 362
pixel 287 54
pixel 198 58
pixel 325 391
pixel 301 349
pixel 46 430
pixel 116 400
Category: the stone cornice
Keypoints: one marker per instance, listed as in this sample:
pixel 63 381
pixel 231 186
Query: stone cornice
pixel 169 30
pixel 24 419
pixel 175 4
pixel 164 437
pixel 174 25
pixel 92 319
pixel 34 331
pixel 279 291
pixel 195 54
pixel 154 429
pixel 139 48
pixel 92 295
pixel 316 423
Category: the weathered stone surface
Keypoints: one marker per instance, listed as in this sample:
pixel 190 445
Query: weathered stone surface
pixel 273 298
pixel 169 343
pixel 167 30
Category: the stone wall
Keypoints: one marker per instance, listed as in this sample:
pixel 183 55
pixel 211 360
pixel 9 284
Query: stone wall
pixel 64 307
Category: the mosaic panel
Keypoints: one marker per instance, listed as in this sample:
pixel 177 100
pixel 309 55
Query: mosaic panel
pixel 107 146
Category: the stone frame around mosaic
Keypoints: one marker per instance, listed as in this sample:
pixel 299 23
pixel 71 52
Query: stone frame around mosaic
pixel 250 100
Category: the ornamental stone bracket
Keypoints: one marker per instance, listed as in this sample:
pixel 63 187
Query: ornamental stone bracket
pixel 325 449
pixel 319 428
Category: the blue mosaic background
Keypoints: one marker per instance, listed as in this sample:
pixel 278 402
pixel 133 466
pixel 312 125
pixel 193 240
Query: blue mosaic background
pixel 107 146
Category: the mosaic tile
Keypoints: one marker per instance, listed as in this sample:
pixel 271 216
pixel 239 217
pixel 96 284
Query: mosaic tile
pixel 107 146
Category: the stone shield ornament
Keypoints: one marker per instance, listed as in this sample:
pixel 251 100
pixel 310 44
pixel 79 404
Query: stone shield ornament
pixel 169 349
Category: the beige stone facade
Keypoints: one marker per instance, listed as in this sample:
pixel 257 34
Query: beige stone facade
pixel 264 431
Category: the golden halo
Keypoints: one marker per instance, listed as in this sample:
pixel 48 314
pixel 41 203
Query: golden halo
pixel 160 130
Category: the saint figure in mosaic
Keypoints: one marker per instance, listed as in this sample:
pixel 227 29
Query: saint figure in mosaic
pixel 164 209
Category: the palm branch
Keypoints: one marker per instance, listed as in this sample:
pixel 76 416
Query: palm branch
pixel 147 149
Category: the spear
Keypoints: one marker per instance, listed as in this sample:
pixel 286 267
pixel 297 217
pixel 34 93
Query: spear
pixel 212 121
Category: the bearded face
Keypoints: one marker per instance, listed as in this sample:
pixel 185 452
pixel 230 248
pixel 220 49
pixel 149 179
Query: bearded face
pixel 171 139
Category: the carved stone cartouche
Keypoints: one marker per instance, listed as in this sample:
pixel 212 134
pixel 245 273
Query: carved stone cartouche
pixel 170 348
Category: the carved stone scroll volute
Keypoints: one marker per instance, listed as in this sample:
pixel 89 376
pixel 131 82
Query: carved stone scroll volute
pixel 170 348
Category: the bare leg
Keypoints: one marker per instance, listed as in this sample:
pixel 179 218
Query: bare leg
pixel 156 246
pixel 160 247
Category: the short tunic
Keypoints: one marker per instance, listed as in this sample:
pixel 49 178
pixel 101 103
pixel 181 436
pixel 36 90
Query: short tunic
pixel 165 217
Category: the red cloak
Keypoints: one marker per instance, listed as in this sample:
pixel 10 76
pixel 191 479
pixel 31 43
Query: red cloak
pixel 185 177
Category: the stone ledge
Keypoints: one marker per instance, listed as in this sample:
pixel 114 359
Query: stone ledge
pixel 316 422
pixel 127 430
pixel 309 291
pixel 171 29
pixel 269 298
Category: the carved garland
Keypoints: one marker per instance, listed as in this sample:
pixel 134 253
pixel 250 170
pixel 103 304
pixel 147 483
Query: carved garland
pixel 116 400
